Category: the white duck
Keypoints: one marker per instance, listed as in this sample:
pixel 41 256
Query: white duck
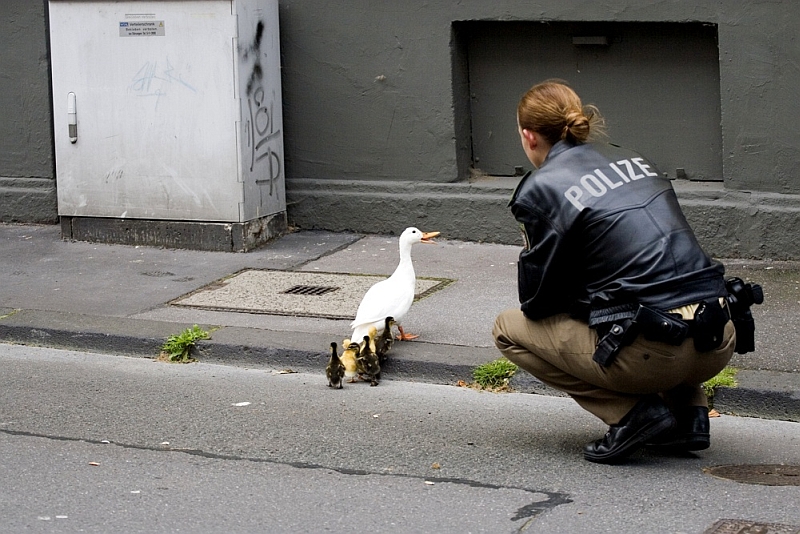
pixel 391 297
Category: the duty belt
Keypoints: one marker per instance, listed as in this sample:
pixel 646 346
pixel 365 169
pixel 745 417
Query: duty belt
pixel 706 329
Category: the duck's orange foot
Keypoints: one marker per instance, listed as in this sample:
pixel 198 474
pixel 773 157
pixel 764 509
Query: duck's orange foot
pixel 403 336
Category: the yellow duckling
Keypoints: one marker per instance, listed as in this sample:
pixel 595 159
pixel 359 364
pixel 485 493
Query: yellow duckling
pixel 349 359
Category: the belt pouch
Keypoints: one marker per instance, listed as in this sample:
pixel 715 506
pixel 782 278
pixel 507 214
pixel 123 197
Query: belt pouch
pixel 709 325
pixel 659 326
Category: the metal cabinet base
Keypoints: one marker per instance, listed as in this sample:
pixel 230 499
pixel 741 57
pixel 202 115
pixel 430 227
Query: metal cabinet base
pixel 194 235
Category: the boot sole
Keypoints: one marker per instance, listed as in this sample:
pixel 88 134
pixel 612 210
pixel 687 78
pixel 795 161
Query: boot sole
pixel 686 443
pixel 648 432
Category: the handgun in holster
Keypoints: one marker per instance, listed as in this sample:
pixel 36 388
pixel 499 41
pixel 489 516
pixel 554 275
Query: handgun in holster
pixel 708 325
pixel 740 297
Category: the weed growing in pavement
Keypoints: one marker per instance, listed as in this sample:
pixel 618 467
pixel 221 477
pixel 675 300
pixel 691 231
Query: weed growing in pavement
pixel 494 375
pixel 178 347
pixel 725 378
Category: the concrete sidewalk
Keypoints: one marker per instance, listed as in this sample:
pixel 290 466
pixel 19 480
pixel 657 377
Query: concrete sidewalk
pixel 127 300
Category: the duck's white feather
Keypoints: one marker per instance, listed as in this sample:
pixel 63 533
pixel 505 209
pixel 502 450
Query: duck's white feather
pixel 391 297
pixel 388 298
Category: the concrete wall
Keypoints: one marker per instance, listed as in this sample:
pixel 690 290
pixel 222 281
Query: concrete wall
pixel 27 175
pixel 375 139
pixel 369 92
pixel 369 96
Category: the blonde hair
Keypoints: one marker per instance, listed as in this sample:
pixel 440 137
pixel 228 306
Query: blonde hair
pixel 555 111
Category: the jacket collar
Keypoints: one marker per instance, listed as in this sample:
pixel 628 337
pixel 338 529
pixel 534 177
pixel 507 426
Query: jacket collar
pixel 558 148
pixel 555 150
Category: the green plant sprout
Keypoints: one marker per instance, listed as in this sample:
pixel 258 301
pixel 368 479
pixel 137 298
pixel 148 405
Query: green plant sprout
pixel 725 378
pixel 178 347
pixel 495 374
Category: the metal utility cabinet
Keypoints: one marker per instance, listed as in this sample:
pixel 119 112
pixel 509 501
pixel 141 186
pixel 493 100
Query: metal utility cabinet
pixel 168 123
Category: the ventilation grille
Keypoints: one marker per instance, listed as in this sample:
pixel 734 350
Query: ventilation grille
pixel 310 290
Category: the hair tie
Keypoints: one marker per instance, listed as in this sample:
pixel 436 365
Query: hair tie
pixel 572 118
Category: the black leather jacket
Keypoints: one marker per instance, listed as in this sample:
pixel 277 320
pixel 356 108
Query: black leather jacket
pixel 604 233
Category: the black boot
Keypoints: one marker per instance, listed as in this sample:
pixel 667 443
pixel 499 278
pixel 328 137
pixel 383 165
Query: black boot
pixel 649 418
pixel 691 433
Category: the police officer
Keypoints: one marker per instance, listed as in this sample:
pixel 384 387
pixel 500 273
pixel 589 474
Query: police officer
pixel 620 306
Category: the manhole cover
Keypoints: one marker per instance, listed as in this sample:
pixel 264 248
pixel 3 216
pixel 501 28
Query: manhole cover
pixel 739 526
pixel 307 294
pixel 765 474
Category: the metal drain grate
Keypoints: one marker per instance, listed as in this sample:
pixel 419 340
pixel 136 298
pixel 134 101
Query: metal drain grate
pixel 310 290
pixel 739 526
pixel 764 474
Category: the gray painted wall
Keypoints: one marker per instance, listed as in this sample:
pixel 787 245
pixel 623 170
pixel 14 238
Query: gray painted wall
pixel 368 91
pixel 27 166
pixel 375 140
pixel 369 96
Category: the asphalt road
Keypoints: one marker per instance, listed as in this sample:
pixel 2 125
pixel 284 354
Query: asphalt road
pixel 97 443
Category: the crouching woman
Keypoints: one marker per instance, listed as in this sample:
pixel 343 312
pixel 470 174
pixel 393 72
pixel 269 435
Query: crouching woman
pixel 620 306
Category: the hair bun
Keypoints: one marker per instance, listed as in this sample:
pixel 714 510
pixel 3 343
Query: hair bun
pixel 555 111
pixel 576 128
pixel 572 117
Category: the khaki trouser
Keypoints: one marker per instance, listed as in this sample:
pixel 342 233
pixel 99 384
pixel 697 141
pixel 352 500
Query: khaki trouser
pixel 558 351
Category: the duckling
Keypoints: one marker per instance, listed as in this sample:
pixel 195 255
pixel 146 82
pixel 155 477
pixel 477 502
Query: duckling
pixel 335 369
pixel 384 342
pixel 392 297
pixel 368 361
pixel 349 360
pixel 364 346
pixel 373 338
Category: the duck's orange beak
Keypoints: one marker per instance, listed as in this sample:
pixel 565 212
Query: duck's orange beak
pixel 428 236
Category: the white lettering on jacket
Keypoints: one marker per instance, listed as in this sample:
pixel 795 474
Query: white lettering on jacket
pixel 599 183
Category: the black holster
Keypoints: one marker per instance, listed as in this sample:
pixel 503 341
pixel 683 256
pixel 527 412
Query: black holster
pixel 740 297
pixel 708 327
pixel 617 336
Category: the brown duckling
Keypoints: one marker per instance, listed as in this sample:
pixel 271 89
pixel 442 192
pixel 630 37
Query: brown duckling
pixel 368 361
pixel 385 340
pixel 335 369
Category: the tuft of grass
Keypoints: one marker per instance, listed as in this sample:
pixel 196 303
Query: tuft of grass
pixel 178 347
pixel 495 374
pixel 725 378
